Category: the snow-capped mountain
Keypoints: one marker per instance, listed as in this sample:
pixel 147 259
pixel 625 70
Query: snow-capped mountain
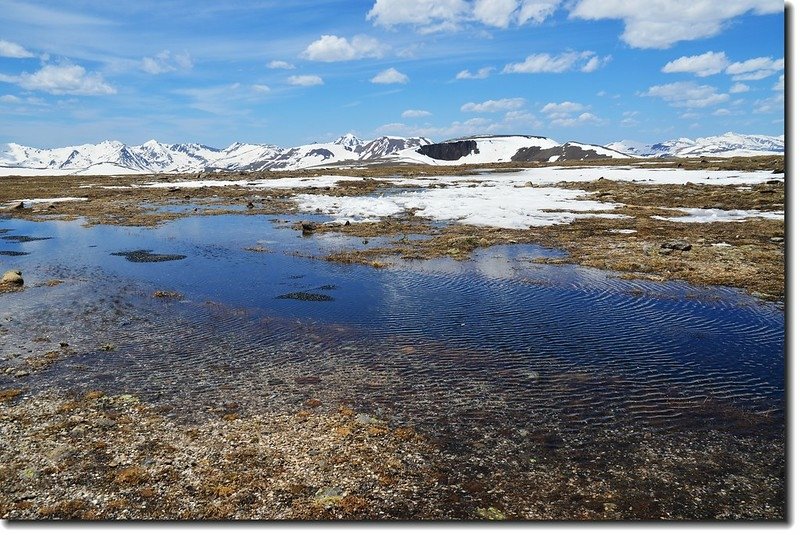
pixel 155 157
pixel 727 145
pixel 494 149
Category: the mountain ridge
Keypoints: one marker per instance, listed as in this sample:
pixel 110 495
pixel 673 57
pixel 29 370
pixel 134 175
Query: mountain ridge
pixel 112 157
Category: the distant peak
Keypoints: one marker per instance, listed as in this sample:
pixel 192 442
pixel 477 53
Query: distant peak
pixel 349 140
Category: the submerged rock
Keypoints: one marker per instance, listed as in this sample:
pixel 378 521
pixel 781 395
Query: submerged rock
pixel 305 296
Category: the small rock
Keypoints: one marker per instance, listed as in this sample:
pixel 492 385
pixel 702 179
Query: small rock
pixel 677 245
pixel 328 495
pixel 366 419
pixel 250 205
pixel 21 373
pixel 490 513
pixel 776 239
pixel 308 227
pixel 13 277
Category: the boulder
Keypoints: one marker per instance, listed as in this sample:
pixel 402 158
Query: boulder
pixel 12 277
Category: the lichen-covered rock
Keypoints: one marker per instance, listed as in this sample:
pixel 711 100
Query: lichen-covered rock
pixel 13 277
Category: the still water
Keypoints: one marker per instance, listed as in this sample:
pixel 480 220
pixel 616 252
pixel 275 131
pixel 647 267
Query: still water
pixel 494 341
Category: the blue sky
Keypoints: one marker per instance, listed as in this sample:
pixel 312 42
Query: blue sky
pixel 288 73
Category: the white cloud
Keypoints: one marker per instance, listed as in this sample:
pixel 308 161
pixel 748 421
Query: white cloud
pixel 583 118
pixel 770 105
pixel 662 23
pixel 390 76
pixel 331 48
pixel 433 16
pixel 594 63
pixel 779 85
pixel 739 87
pixel 10 99
pixel 515 121
pixel 415 113
pixel 278 64
pixel 63 79
pixel 260 88
pixel 493 106
pixel 13 50
pixel 569 113
pixel 565 107
pixel 687 94
pixel 305 80
pixel 479 75
pixel 701 65
pixel 498 13
pixel 755 68
pixel 165 61
pixel 722 112
pixel 536 63
pixel 536 10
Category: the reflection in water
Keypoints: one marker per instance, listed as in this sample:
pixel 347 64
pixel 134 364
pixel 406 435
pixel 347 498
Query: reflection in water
pixel 496 342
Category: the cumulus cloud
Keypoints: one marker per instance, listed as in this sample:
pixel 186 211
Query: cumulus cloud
pixel 569 113
pixel 739 87
pixel 13 50
pixel 493 106
pixel 411 114
pixel 687 94
pixel 260 88
pixel 331 48
pixel 66 79
pixel 305 80
pixel 779 85
pixel 701 65
pixel 10 99
pixel 278 64
pixel 514 121
pixel 755 68
pixel 479 75
pixel 390 76
pixel 432 16
pixel 165 61
pixel 566 107
pixel 586 61
pixel 662 23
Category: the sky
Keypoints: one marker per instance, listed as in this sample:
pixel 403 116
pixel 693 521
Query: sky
pixel 290 73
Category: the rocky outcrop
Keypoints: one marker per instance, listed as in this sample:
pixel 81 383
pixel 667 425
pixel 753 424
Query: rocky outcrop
pixel 450 151
pixel 563 152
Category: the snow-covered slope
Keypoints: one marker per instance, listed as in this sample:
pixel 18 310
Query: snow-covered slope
pixel 155 157
pixel 493 149
pixel 727 145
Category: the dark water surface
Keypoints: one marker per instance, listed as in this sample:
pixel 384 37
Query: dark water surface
pixel 496 341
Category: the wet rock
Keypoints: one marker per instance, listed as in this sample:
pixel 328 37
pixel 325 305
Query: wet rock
pixel 677 245
pixel 308 227
pixel 12 277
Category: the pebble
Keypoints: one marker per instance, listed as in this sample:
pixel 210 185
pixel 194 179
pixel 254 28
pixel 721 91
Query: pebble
pixel 21 373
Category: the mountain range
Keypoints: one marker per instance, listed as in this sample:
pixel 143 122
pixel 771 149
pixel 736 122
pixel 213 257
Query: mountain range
pixel 114 157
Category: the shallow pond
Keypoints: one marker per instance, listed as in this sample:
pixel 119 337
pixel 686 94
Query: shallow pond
pixel 442 344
